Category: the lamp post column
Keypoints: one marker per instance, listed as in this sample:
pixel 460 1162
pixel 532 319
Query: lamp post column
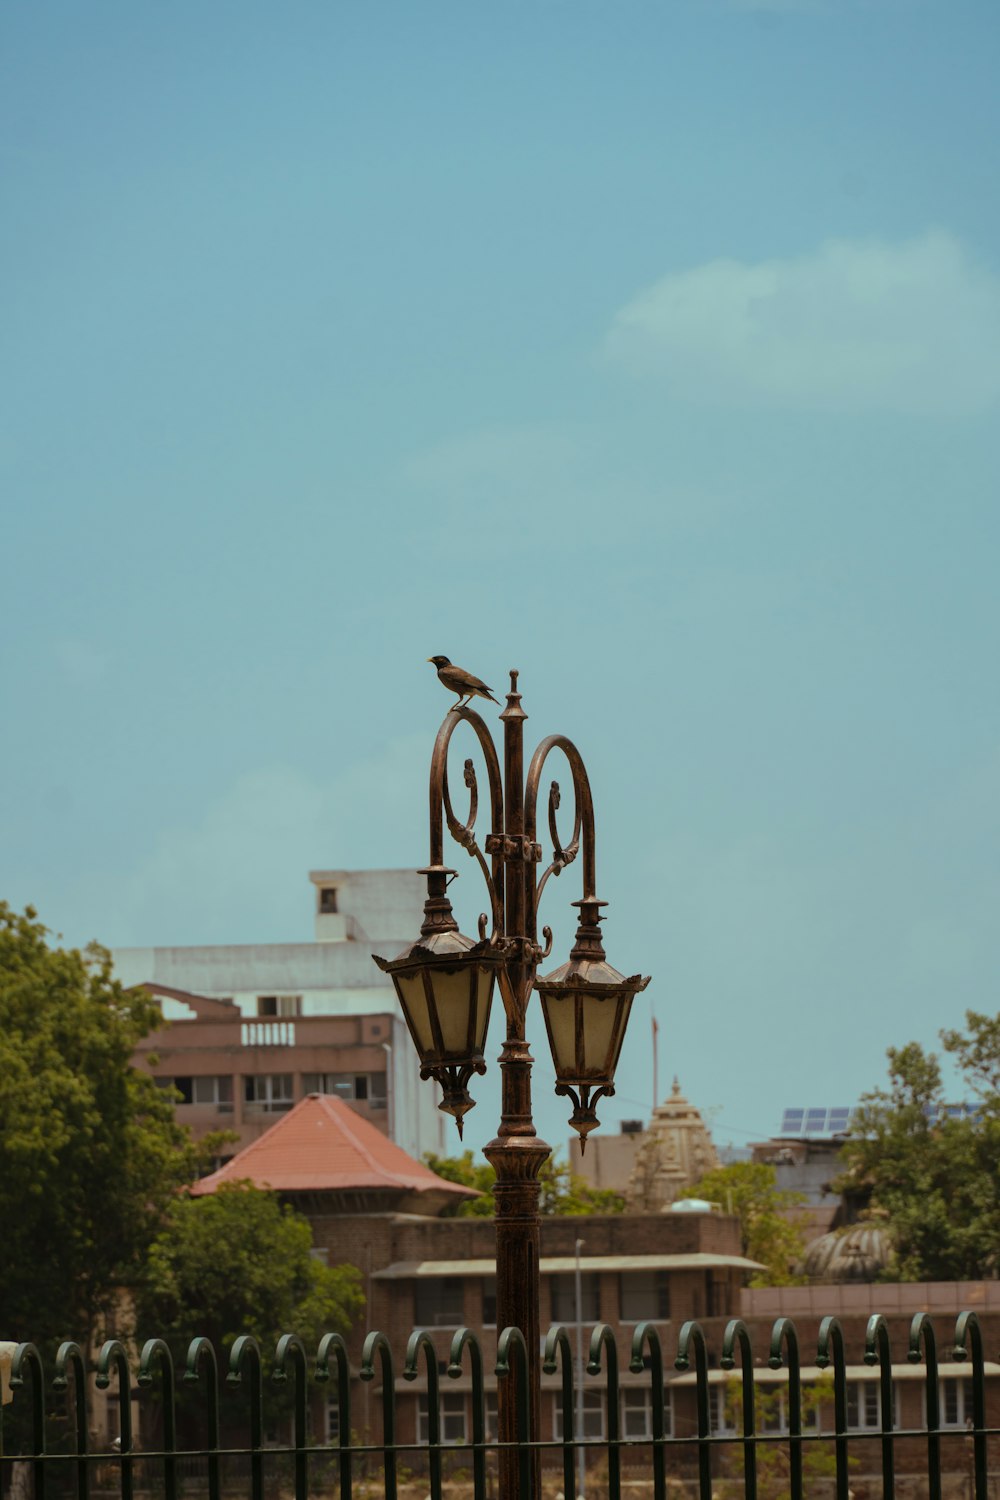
pixel 517 1154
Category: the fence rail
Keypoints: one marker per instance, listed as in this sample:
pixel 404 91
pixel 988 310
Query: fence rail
pixel 755 1425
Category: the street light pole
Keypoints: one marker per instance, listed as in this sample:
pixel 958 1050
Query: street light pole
pixel 444 982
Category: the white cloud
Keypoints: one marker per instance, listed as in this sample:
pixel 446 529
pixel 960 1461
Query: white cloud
pixel 912 327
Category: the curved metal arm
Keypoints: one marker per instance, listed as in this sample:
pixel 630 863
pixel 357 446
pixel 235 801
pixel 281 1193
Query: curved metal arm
pixel 113 1352
pixel 292 1349
pixel 333 1343
pixel 421 1339
pixel 513 1339
pixel 692 1336
pixel 464 833
pixel 377 1344
pixel 968 1330
pixel 246 1351
pixel 878 1352
pixel 199 1349
pixel 156 1349
pixel 70 1356
pixel 784 1335
pixel 831 1334
pixel 603 1338
pixel 738 1333
pixel 922 1332
pixel 24 1355
pixel 646 1335
pixel 583 819
pixel 466 1339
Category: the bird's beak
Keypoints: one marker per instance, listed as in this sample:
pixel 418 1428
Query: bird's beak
pixel 430 659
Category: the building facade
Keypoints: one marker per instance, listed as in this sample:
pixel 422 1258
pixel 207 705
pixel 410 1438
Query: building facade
pixel 252 1028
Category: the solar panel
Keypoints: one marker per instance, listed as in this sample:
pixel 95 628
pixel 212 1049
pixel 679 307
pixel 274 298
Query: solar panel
pixel 816 1122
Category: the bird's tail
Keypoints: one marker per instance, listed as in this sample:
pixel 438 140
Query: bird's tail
pixel 493 700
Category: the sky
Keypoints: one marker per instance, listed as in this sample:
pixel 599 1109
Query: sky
pixel 652 349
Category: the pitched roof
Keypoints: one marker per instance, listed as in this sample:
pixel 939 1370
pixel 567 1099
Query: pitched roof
pixel 324 1146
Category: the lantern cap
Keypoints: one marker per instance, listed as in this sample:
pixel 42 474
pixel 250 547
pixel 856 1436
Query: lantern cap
pixel 438 948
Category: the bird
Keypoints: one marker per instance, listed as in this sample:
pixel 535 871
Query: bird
pixel 460 682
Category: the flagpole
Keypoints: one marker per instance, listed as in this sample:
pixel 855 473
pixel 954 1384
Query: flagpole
pixel 656 1061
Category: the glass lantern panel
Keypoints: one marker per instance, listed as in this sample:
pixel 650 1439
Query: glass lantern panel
pixel 599 1016
pixel 414 1002
pixel 451 994
pixel 484 988
pixel 560 1017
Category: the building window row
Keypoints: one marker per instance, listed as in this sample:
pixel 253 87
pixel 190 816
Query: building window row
pixel 643 1296
pixel 209 1088
pixel 274 1092
pixel 367 1087
pixel 863 1408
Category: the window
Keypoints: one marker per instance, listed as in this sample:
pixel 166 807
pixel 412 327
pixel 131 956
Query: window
pixel 279 1005
pixel 453 1424
pixel 644 1295
pixel 864 1406
pixel 332 1420
pixel 376 1090
pixel 955 1398
pixel 593 1416
pixel 716 1299
pixel 490 1301
pixel 328 899
pixel 562 1289
pixel 182 1085
pixel 720 1410
pixel 439 1302
pixel 365 1086
pixel 268 1093
pixel 214 1088
pixel 492 1414
pixel 771 1407
pixel 637 1413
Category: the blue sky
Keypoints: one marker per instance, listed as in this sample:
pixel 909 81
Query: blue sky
pixel 650 348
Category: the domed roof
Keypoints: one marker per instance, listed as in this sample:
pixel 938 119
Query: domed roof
pixel 855 1254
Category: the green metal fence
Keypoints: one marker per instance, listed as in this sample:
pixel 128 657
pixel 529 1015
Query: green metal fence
pixel 732 1446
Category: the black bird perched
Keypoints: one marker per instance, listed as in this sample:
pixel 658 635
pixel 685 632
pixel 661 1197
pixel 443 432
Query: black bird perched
pixel 457 680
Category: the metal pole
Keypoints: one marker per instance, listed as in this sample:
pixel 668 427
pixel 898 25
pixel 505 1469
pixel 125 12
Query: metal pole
pixel 390 1084
pixel 581 1457
pixel 517 1154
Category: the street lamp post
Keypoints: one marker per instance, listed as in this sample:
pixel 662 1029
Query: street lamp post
pixel 445 982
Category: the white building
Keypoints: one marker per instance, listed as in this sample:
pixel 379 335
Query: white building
pixel 255 1027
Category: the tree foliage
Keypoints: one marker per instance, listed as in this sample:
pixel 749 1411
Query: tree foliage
pixel 91 1152
pixel 237 1261
pixel 749 1190
pixel 819 1460
pixel 563 1191
pixel 932 1178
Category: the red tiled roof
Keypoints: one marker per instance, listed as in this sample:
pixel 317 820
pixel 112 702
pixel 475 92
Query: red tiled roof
pixel 324 1146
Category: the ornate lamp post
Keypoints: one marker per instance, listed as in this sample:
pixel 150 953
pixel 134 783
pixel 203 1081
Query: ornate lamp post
pixel 445 985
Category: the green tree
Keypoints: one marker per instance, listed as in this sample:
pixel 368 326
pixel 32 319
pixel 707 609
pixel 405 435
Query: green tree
pixel 563 1191
pixel 932 1178
pixel 819 1460
pixel 749 1190
pixel 237 1261
pixel 91 1152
